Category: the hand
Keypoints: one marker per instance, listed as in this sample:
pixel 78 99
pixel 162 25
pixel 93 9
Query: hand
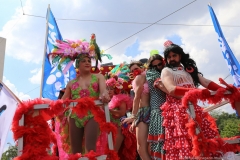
pixel 128 120
pixel 231 88
pixel 157 82
pixel 132 128
pixel 105 97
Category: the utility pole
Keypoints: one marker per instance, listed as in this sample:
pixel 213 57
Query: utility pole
pixel 2 56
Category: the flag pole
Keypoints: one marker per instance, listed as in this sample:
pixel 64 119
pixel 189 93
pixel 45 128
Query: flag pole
pixel 45 50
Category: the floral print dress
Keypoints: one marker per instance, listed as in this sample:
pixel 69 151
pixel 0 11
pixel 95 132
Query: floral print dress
pixel 77 92
pixel 62 127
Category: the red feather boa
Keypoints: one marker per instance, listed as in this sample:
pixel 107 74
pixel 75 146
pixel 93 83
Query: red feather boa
pixel 38 136
pixel 199 142
pixel 129 145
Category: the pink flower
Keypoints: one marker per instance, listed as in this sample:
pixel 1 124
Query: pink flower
pixel 95 86
pixel 84 93
pixel 75 85
pixel 111 82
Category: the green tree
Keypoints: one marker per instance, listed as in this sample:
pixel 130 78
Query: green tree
pixel 228 124
pixel 10 153
pixel 230 128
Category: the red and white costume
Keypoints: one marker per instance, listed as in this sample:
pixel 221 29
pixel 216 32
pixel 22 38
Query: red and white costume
pixel 178 143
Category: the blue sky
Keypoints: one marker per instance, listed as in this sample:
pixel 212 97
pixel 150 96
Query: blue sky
pixel 133 50
pixel 25 35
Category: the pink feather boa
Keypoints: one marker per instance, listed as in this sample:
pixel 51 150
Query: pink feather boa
pixel 120 98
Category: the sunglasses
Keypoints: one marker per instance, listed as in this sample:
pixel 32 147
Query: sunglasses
pixel 158 65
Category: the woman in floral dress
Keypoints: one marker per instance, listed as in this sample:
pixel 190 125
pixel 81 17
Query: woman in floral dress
pixel 86 84
pixel 79 132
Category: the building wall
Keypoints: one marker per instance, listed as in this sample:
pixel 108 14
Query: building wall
pixel 2 56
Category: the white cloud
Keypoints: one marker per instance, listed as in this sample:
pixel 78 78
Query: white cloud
pixel 226 108
pixel 13 88
pixel 235 47
pixel 25 41
pixel 34 70
pixel 36 78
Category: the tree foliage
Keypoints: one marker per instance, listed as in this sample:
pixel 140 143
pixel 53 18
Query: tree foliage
pixel 228 124
pixel 10 153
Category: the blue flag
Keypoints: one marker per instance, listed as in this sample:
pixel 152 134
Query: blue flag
pixel 54 79
pixel 232 62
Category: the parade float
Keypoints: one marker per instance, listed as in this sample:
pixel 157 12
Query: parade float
pixel 37 140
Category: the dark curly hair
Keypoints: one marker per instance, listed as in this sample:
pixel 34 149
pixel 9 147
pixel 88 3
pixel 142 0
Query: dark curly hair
pixel 186 61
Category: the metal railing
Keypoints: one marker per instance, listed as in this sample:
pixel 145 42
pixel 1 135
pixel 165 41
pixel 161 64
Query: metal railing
pixel 72 104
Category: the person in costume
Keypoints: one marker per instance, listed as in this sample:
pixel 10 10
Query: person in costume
pixel 86 84
pixel 179 76
pixel 141 110
pixel 155 65
pixel 119 105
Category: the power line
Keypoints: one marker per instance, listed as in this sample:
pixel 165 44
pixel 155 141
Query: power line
pixel 150 25
pixel 31 15
pixel 126 22
pixel 22 7
pixel 14 24
pixel 32 90
pixel 12 28
pixel 226 76
pixel 129 22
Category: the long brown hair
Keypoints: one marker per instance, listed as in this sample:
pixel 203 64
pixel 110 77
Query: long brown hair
pixel 153 58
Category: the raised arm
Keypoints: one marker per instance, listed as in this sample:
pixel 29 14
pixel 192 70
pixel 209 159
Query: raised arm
pixel 208 83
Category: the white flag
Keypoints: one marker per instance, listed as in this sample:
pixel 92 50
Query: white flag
pixel 8 105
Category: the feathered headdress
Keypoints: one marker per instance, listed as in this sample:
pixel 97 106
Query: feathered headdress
pixel 122 70
pixel 69 50
pixel 119 78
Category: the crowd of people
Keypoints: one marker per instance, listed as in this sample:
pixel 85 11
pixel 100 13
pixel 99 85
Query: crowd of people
pixel 156 126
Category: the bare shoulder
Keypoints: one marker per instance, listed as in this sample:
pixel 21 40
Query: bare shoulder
pixel 140 79
pixel 69 84
pixel 98 75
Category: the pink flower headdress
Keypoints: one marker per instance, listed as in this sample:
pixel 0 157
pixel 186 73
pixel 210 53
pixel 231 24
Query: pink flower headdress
pixel 69 50
pixel 112 82
pixel 167 43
